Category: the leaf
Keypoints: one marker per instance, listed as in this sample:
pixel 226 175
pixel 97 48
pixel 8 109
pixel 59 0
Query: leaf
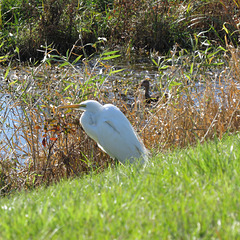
pixel 164 67
pixel 3 57
pixel 16 50
pixel 191 69
pixel 173 84
pixel 64 64
pixel 53 139
pixel 66 88
pixel 2 44
pixel 109 53
pixel 111 57
pixel 222 48
pixel 212 54
pixel 116 71
pixel 44 142
pixel 77 59
pixel 11 83
pixel 188 76
pixel 67 53
pixel 217 64
pixel 224 27
pixel 7 72
pixel 154 62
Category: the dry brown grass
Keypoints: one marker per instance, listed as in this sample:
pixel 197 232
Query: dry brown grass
pixel 57 147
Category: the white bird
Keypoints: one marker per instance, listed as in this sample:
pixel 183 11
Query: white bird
pixel 112 131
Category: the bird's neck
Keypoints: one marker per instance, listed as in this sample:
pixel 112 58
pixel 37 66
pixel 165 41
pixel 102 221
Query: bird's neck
pixel 147 95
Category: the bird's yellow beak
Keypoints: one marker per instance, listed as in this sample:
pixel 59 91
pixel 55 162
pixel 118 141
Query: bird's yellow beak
pixel 79 106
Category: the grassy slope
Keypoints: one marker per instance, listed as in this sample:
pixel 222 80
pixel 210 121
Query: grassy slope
pixel 187 194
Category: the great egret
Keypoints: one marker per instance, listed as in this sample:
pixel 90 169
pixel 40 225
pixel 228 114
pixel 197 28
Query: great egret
pixel 154 97
pixel 112 131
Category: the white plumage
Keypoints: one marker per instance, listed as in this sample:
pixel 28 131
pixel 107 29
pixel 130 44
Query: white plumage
pixel 112 131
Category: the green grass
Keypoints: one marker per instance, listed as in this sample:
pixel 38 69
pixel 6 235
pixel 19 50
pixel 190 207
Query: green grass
pixel 187 194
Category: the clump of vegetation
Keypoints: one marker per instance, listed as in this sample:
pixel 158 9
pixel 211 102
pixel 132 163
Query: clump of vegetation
pixel 199 106
pixel 200 75
pixel 27 26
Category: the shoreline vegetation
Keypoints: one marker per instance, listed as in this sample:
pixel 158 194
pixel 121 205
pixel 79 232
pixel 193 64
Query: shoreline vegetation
pixel 29 27
pixel 60 52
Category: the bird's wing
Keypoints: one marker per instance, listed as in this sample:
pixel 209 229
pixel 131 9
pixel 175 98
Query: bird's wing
pixel 117 137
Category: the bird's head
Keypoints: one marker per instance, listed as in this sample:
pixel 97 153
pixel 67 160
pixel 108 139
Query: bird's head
pixel 89 105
